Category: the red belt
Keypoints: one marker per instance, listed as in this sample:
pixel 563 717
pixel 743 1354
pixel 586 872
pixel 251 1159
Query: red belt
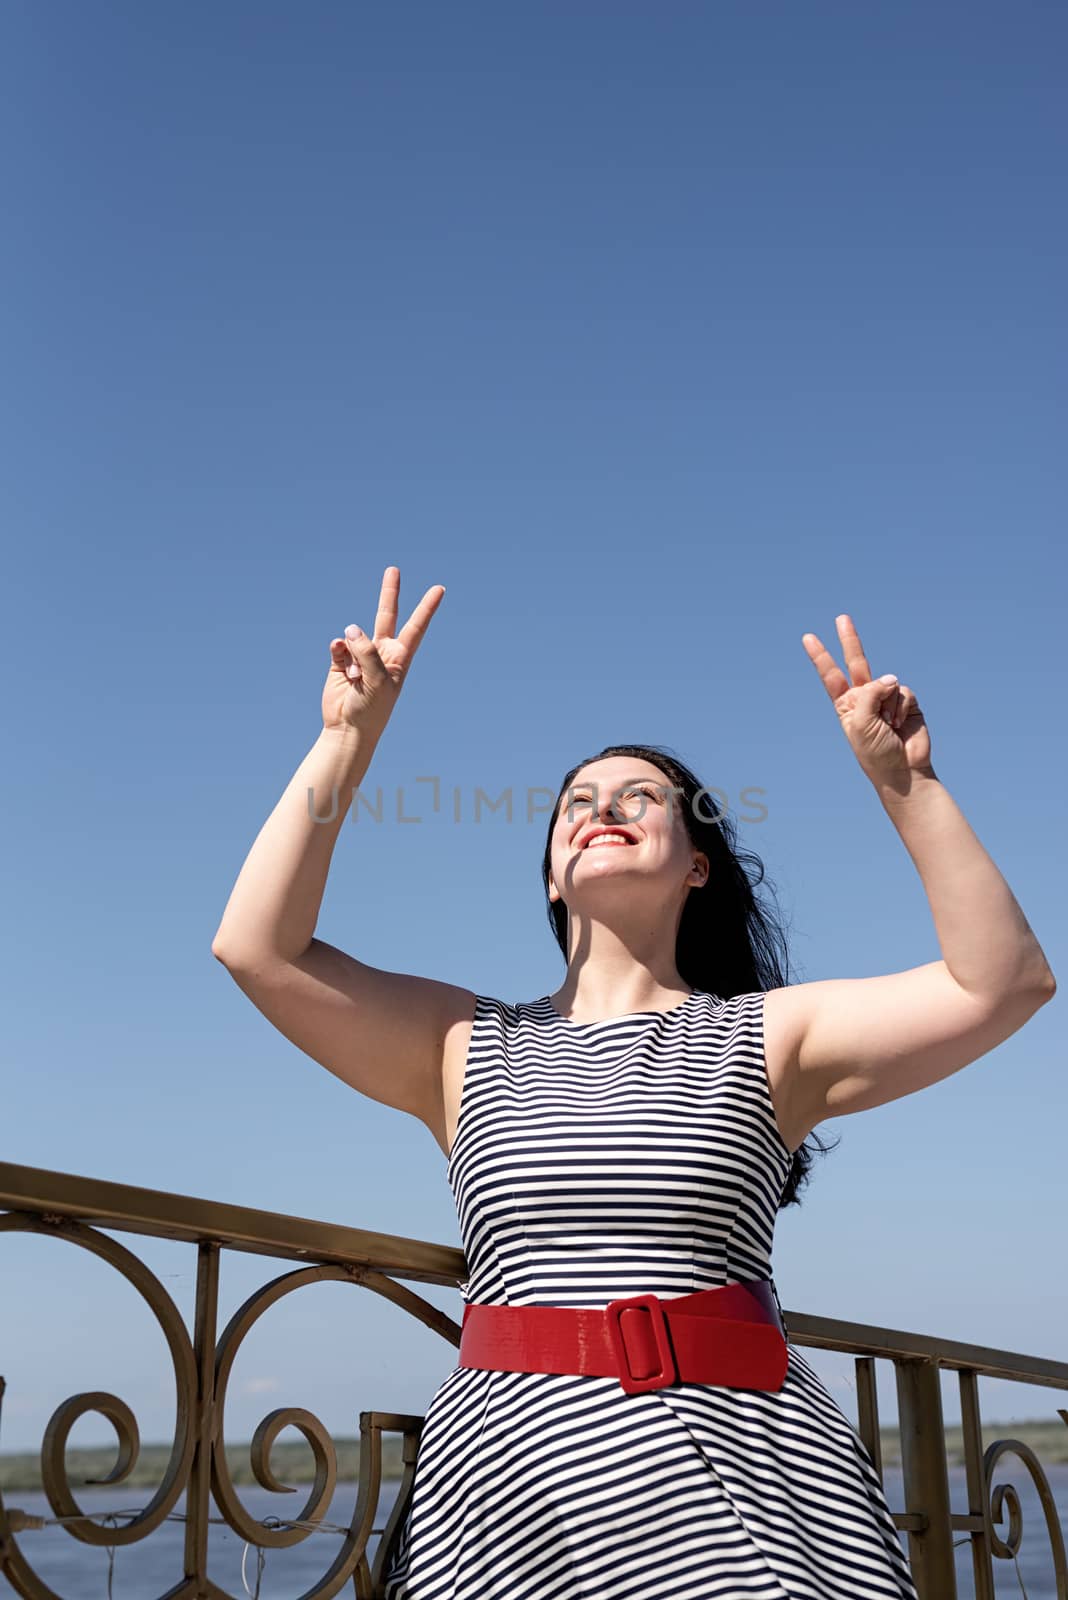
pixel 733 1336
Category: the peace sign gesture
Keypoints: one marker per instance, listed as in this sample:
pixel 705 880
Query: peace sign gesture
pixel 881 719
pixel 365 674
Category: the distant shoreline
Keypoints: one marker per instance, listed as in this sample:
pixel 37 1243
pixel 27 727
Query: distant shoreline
pixel 293 1464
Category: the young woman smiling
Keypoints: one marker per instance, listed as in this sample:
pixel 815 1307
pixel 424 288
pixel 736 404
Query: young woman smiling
pixel 627 1415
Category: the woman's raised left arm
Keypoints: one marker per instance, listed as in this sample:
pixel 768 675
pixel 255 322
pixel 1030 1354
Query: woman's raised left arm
pixel 860 1042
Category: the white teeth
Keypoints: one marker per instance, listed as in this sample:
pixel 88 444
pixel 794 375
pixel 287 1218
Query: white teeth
pixel 607 838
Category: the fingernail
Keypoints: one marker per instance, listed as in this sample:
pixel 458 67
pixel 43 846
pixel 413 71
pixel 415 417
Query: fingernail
pixel 353 632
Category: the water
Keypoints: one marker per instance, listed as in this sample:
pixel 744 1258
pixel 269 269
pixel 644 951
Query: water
pixel 147 1570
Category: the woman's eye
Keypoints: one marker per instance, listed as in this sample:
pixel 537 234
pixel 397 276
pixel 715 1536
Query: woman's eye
pixel 645 788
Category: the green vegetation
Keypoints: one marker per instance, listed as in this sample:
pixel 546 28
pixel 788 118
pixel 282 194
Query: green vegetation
pixel 1047 1438
pixel 292 1463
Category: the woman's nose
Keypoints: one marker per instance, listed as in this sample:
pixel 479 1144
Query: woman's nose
pixel 611 809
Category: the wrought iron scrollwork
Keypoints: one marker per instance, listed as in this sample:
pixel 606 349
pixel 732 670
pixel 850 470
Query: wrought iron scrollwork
pixel 62 1207
pixel 192 1407
pixel 1003 1497
pixel 55 1480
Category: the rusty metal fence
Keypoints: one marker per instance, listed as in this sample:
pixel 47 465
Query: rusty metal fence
pixel 84 1212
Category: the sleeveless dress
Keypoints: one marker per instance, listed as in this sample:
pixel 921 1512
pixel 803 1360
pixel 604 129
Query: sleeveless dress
pixel 593 1161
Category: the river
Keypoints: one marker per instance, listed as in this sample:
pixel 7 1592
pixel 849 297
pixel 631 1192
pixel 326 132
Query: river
pixel 147 1570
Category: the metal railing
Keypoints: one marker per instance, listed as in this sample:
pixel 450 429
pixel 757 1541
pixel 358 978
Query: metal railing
pixel 62 1206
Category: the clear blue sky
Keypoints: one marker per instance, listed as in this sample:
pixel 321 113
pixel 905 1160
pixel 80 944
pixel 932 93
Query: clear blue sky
pixel 659 335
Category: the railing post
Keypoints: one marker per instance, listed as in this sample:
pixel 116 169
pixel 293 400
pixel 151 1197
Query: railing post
pixel 926 1477
pixel 868 1411
pixel 978 1498
pixel 197 1498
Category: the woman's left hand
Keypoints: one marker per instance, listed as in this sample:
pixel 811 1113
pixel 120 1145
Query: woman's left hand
pixel 880 718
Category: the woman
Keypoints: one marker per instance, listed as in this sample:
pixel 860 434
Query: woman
pixel 626 1416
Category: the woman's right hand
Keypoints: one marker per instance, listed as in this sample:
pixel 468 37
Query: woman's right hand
pixel 365 674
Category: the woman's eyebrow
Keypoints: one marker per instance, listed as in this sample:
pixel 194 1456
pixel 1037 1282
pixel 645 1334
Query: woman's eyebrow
pixel 628 783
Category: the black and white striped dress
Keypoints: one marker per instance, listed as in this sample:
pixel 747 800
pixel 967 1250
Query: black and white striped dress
pixel 593 1161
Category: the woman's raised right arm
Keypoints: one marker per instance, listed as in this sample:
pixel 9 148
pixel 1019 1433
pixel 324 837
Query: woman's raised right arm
pixel 381 1032
pixel 274 906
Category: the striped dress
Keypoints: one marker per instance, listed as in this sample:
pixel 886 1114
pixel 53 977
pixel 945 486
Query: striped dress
pixel 593 1161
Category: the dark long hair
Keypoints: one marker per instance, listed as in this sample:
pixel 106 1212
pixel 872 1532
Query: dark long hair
pixel 728 942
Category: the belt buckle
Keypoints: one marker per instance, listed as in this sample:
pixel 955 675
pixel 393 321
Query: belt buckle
pixel 667 1373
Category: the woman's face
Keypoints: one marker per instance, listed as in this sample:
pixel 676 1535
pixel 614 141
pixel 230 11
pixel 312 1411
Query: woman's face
pixel 655 855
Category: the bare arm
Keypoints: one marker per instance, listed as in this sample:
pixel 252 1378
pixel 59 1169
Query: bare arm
pixel 381 1032
pixel 275 903
pixel 861 1042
